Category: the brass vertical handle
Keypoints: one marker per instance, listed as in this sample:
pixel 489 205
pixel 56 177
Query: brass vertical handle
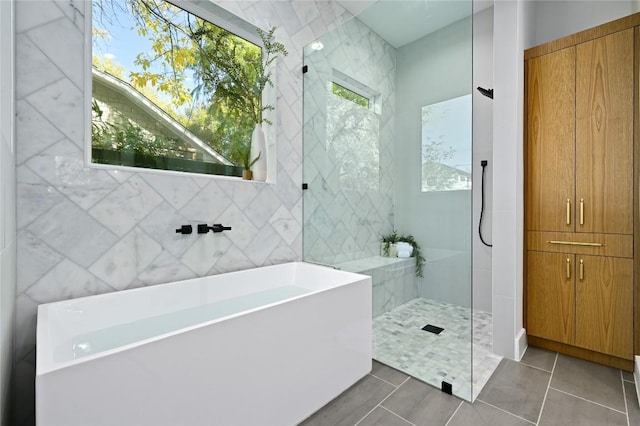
pixel 581 211
pixel 581 269
pixel 568 268
pixel 568 211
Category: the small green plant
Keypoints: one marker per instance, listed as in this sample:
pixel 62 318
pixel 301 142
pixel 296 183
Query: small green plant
pixel 393 238
pixel 245 154
pixel 387 240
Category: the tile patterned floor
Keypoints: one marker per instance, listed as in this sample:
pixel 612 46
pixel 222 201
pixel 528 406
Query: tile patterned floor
pixel 544 389
pixel 400 342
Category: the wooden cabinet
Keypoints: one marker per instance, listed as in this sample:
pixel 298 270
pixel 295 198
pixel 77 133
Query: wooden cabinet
pixel 604 305
pixel 580 137
pixel 585 301
pixel 579 192
pixel 604 134
pixel 551 143
pixel 551 296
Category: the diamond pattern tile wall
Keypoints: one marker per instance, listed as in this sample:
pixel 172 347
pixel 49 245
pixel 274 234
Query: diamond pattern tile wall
pixel 344 223
pixel 84 231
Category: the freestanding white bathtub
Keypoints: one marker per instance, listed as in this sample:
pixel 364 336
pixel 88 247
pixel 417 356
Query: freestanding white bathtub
pixel 267 346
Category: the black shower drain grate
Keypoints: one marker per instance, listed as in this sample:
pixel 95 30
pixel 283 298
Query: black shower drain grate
pixel 433 329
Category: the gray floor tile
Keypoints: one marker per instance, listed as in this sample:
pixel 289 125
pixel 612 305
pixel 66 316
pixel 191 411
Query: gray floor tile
pixel 421 404
pixel 540 358
pixel 563 409
pixel 595 382
pixel 517 388
pixel 626 375
pixel 353 404
pixel 388 374
pixel 632 403
pixel 481 414
pixel 382 417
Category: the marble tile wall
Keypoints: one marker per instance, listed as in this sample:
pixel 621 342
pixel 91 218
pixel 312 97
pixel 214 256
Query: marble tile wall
pixel 84 231
pixel 394 280
pixel 345 222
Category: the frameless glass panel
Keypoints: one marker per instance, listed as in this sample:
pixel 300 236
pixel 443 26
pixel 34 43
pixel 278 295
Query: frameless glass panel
pixel 387 160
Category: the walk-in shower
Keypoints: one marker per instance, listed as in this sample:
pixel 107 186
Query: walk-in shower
pixel 388 152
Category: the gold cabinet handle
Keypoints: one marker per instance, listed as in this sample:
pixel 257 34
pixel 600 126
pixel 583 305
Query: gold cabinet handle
pixel 575 243
pixel 581 269
pixel 581 211
pixel 568 268
pixel 568 211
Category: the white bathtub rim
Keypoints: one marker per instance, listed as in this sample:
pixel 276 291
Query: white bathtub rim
pixel 45 366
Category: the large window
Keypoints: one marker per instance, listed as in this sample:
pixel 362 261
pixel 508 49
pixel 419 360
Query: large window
pixel 446 145
pixel 171 90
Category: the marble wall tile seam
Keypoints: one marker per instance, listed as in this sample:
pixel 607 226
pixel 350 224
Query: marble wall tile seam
pixel 25 288
pixel 21 204
pixel 80 282
pixel 29 94
pixel 60 20
pixel 97 184
pixel 26 159
pixel 59 190
pixel 75 9
pixel 136 233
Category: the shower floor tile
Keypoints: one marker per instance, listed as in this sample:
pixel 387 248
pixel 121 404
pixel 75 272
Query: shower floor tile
pixel 400 342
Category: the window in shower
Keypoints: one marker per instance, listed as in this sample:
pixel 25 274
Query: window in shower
pixel 353 133
pixel 446 145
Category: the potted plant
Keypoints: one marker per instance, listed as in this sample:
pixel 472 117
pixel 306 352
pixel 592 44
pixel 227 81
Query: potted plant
pixel 247 162
pixel 388 248
pixel 388 244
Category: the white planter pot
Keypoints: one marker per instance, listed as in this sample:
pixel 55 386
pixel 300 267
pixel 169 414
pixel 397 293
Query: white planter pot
pixel 259 147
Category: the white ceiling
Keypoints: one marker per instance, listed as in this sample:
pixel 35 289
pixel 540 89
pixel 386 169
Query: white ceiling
pixel 403 21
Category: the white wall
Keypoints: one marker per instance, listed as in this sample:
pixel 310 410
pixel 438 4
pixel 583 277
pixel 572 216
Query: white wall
pixel 559 18
pixel 512 32
pixel 429 70
pixel 482 150
pixel 7 207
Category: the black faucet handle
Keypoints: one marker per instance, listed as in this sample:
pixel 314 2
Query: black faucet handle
pixel 184 229
pixel 218 227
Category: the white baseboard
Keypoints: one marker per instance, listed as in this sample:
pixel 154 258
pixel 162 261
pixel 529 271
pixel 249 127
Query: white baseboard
pixel 521 344
pixel 636 376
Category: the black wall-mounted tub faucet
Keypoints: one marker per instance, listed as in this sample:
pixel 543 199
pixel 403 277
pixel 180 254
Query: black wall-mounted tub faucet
pixel 216 227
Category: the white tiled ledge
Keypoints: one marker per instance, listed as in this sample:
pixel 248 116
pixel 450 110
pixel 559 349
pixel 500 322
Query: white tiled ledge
pixel 374 262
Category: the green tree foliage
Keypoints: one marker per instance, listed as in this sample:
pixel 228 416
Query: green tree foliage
pixel 229 73
pixel 350 95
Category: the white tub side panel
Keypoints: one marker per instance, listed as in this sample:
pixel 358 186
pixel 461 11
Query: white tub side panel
pixel 272 367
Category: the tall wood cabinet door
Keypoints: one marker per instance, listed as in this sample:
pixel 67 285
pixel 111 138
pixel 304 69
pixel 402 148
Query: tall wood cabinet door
pixel 550 296
pixel 550 151
pixel 604 134
pixel 604 305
